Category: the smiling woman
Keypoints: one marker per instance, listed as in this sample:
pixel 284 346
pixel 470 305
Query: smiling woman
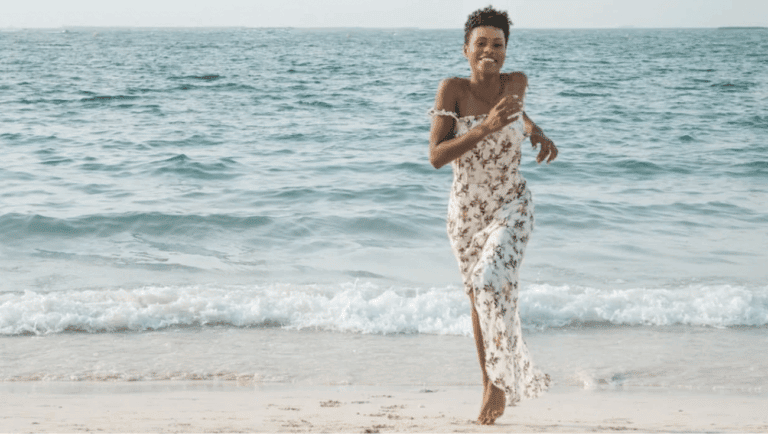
pixel 478 126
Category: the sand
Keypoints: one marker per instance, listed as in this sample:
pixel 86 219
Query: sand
pixel 208 407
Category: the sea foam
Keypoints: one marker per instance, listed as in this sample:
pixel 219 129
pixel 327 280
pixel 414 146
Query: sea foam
pixel 370 308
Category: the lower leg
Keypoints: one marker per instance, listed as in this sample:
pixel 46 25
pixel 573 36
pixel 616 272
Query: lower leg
pixel 478 338
pixel 494 400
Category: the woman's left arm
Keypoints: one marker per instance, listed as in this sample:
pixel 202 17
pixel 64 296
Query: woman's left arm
pixel 548 149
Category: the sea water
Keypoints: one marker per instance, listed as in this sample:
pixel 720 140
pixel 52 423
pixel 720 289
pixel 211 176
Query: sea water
pixel 257 205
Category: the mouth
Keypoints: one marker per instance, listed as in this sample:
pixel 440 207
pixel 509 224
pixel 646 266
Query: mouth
pixel 487 61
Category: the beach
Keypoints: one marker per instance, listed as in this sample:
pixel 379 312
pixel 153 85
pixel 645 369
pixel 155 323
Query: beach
pixel 206 407
pixel 274 380
pixel 224 230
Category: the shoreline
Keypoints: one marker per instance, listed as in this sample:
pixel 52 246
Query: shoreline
pixel 207 407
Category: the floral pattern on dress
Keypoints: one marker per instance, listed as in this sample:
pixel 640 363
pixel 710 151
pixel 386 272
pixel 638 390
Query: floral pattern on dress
pixel 490 218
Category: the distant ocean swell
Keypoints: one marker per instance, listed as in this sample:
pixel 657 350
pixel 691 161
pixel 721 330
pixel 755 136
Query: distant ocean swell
pixel 18 227
pixel 370 308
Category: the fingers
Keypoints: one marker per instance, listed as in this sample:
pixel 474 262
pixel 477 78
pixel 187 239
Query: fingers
pixel 511 104
pixel 506 111
pixel 552 153
pixel 548 151
pixel 542 154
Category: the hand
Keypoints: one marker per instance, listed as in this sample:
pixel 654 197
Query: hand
pixel 547 147
pixel 503 113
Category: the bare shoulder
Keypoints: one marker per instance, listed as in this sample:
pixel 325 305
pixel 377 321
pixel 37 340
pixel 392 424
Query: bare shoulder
pixel 449 93
pixel 516 82
pixel 453 86
pixel 515 77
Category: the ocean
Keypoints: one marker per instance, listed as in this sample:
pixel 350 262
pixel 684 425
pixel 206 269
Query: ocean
pixel 257 205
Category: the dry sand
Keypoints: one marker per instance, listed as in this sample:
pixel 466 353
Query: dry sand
pixel 207 407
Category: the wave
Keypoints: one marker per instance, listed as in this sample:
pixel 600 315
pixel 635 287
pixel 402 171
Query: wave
pixel 18 226
pixel 110 376
pixel 415 225
pixel 640 166
pixel 184 166
pixel 370 308
pixel 581 94
pixel 109 97
pixel 750 169
pixel 315 103
pixel 206 77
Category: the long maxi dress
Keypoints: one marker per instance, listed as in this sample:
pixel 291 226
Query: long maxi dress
pixel 490 218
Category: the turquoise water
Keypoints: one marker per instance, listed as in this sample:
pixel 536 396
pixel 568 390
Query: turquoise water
pixel 253 178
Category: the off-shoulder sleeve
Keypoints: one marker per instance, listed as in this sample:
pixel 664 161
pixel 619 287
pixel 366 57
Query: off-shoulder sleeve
pixel 435 112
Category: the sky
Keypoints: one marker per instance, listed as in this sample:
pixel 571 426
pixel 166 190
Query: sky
pixel 445 14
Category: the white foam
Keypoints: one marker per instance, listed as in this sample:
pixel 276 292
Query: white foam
pixel 717 306
pixel 370 308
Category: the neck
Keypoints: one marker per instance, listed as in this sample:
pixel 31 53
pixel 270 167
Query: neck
pixel 488 81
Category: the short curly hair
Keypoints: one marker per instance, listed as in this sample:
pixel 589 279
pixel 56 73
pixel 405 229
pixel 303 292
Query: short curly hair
pixel 487 17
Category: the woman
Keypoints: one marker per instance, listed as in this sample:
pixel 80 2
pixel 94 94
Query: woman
pixel 478 126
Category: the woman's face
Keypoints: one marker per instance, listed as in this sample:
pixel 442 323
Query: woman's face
pixel 486 49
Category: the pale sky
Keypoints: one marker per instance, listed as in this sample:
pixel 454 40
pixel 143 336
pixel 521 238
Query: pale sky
pixel 382 13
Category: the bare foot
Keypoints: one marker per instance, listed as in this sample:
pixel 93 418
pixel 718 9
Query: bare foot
pixel 493 405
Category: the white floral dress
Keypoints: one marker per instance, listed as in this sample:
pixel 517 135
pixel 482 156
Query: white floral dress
pixel 490 217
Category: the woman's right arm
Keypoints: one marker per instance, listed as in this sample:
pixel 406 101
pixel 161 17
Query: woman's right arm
pixel 444 146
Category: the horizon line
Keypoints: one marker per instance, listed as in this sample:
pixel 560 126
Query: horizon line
pixel 623 27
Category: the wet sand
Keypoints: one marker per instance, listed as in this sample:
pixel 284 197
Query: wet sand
pixel 208 407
